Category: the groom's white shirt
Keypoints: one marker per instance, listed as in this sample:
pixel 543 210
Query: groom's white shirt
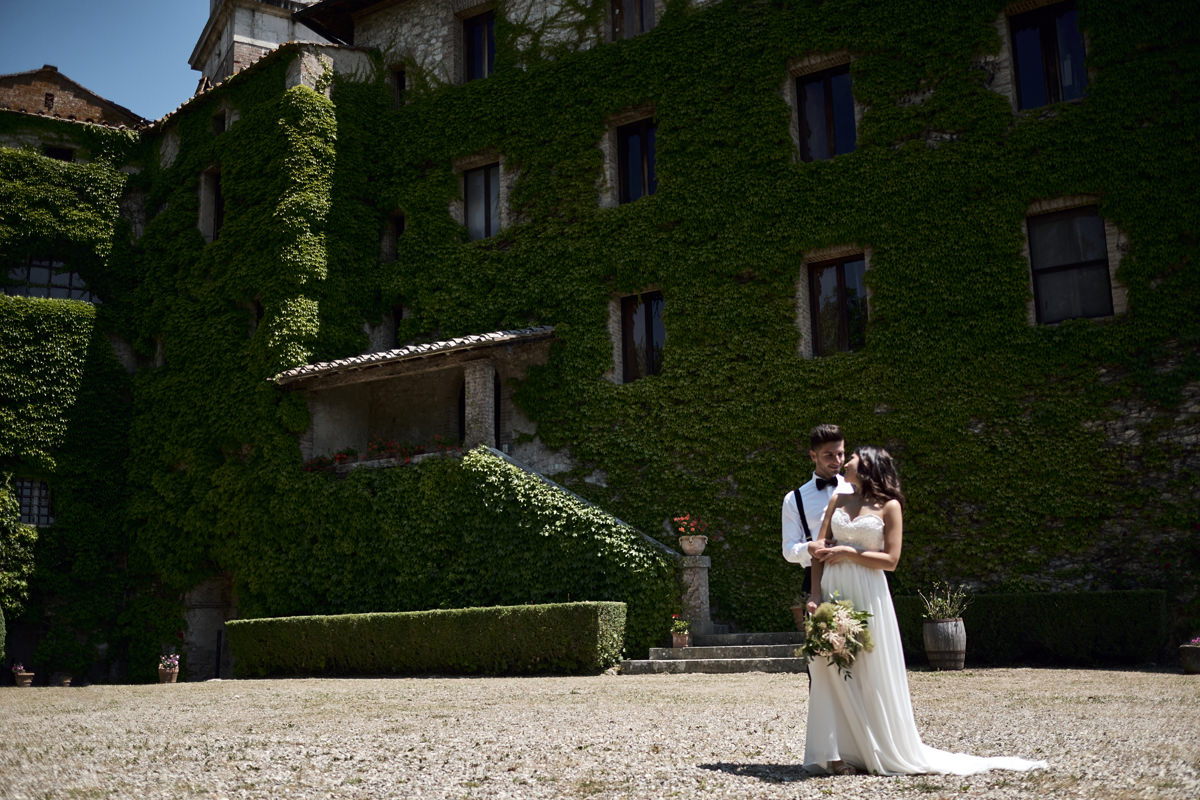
pixel 795 546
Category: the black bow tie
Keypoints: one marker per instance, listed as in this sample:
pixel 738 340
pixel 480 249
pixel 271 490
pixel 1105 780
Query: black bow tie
pixel 823 482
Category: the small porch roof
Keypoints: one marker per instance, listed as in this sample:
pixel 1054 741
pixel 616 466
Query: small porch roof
pixel 373 366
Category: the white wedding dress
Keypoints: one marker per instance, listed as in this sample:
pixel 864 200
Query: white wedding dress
pixel 867 720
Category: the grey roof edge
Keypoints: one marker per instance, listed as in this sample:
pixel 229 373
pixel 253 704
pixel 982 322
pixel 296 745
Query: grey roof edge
pixel 369 360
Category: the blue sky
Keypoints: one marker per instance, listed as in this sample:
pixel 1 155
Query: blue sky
pixel 132 52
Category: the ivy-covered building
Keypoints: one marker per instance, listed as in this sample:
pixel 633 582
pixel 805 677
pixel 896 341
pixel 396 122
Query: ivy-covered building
pixel 640 246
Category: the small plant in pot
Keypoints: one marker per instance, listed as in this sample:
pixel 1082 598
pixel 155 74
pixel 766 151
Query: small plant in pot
pixel 944 632
pixel 168 667
pixel 681 632
pixel 691 534
pixel 21 676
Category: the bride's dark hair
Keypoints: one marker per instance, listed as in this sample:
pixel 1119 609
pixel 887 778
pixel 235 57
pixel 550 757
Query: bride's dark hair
pixel 880 482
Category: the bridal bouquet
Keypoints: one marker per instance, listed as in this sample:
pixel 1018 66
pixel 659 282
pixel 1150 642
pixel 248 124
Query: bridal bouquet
pixel 837 631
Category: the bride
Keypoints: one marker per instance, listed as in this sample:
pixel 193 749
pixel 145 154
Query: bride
pixel 866 722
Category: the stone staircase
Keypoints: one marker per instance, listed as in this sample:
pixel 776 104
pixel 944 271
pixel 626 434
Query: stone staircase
pixel 723 653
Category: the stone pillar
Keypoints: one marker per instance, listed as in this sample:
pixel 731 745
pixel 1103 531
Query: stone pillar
pixel 479 378
pixel 693 573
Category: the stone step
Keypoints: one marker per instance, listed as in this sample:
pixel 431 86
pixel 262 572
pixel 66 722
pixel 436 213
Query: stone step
pixel 710 665
pixel 740 639
pixel 725 651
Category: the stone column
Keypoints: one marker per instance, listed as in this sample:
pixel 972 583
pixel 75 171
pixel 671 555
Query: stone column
pixel 693 573
pixel 479 378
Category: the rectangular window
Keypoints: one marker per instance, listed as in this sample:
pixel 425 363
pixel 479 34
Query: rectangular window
pixel 479 45
pixel 481 196
pixel 839 305
pixel 1048 55
pixel 825 104
pixel 212 204
pixel 635 157
pixel 34 498
pixel 398 80
pixel 1068 255
pixel 631 17
pixel 44 278
pixel 391 236
pixel 642 335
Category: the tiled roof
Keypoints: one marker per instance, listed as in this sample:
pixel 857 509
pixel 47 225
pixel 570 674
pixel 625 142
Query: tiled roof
pixel 412 351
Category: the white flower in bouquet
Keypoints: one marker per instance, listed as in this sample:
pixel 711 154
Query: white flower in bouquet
pixel 837 631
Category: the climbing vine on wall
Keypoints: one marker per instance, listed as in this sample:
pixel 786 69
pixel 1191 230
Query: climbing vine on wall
pixel 1008 436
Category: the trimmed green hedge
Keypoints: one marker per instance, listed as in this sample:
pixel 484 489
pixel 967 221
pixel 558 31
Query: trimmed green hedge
pixel 1060 629
pixel 555 637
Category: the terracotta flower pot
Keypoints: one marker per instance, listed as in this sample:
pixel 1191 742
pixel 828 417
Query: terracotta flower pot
pixel 23 678
pixel 167 675
pixel 681 639
pixel 692 545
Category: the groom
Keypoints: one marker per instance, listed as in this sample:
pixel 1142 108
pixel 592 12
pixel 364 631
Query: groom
pixel 804 507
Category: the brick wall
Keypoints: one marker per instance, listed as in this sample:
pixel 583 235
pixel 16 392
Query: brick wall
pixel 47 92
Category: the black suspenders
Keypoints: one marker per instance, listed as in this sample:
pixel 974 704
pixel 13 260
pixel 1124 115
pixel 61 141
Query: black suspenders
pixel 806 586
pixel 808 537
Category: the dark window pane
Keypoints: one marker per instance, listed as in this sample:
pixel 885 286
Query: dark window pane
pixel 493 179
pixel 1027 47
pixel 481 201
pixel 856 303
pixel 635 160
pixel 843 111
pixel 1070 55
pixel 642 335
pixel 479 42
pixel 814 144
pixel 838 300
pixel 39 275
pixel 824 293
pixel 1068 237
pixel 631 17
pixel 1048 55
pixel 34 500
pixel 656 331
pixel 1069 258
pixel 633 338
pixel 651 177
pixel 1070 293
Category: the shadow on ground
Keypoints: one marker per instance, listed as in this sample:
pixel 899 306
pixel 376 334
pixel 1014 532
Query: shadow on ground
pixel 770 773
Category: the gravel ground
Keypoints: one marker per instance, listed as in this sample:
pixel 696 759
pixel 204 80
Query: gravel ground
pixel 1106 734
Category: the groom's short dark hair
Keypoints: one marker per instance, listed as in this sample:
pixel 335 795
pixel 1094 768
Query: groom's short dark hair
pixel 824 434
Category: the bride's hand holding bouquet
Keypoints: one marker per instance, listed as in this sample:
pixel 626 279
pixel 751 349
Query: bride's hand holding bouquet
pixel 837 631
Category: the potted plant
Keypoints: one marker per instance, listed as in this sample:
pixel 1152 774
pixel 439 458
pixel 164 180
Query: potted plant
pixel 944 632
pixel 1189 656
pixel 168 667
pixel 681 632
pixel 799 610
pixel 691 534
pixel 22 677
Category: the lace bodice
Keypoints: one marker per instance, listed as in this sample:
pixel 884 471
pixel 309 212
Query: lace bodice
pixel 864 532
